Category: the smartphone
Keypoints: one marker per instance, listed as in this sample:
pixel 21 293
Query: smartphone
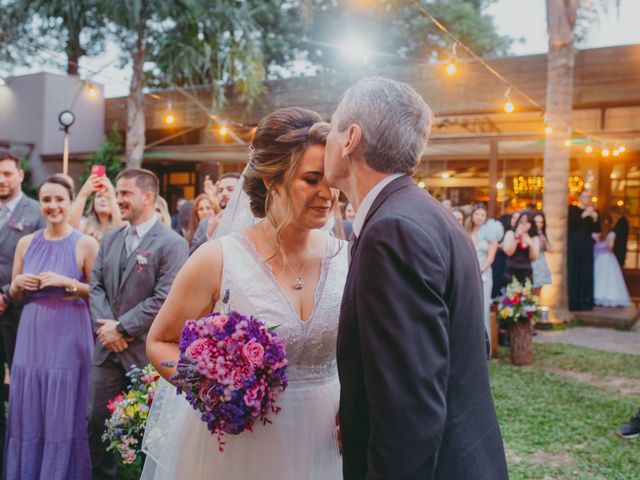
pixel 98 170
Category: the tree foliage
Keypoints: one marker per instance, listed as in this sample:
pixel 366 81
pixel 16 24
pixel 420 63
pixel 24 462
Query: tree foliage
pixel 108 154
pixel 397 32
pixel 39 29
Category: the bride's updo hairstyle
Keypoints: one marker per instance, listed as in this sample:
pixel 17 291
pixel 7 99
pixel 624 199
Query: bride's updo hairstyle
pixel 276 148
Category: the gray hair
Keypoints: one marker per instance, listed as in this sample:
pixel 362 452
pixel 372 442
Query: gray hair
pixel 394 120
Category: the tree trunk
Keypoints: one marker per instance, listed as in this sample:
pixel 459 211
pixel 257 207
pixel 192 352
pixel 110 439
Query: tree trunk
pixel 521 344
pixel 135 105
pixel 74 52
pixel 561 20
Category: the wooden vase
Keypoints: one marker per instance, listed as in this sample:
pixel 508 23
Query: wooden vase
pixel 521 342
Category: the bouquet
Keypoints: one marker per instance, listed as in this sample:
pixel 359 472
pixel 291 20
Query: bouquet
pixel 232 369
pixel 129 412
pixel 518 303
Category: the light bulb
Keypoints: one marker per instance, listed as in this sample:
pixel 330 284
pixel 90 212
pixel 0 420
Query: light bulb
pixel 621 148
pixel 548 130
pixel 169 119
pixel 91 91
pixel 445 175
pixel 588 149
pixel 500 186
pixel 224 131
pixel 509 107
pixel 615 153
pixel 451 68
pixel 605 152
pixel 567 142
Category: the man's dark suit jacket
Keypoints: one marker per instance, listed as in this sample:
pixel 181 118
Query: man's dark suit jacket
pixel 415 401
pixel 622 235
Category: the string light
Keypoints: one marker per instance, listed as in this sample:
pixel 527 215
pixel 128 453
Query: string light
pixel 445 175
pixel 605 152
pixel 452 66
pixel 224 130
pixel 169 118
pixel 92 91
pixel 615 153
pixel 567 142
pixel 500 185
pixel 621 148
pixel 548 130
pixel 620 203
pixel 588 149
pixel 421 184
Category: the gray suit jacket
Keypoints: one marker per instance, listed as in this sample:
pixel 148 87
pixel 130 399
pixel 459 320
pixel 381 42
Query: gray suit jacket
pixel 135 299
pixel 25 219
pixel 200 236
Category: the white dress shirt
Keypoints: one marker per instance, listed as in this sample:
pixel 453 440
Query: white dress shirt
pixel 367 201
pixel 141 230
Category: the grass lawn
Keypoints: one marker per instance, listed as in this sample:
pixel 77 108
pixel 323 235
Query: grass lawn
pixel 558 417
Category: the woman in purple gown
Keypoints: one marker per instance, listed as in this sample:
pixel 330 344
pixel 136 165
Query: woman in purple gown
pixel 47 427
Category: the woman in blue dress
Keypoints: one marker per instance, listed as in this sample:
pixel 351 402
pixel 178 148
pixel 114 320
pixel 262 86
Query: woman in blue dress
pixel 47 426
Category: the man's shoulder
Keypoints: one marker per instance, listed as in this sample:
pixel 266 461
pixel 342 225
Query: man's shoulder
pixel 167 236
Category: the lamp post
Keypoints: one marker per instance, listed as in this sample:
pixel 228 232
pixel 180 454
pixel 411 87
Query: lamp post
pixel 66 119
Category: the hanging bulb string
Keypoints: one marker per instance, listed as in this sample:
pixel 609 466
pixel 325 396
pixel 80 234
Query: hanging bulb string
pixel 511 86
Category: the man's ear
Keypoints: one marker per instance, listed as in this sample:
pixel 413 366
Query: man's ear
pixel 21 175
pixel 353 138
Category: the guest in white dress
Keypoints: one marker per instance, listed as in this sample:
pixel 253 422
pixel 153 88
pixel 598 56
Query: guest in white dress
pixel 540 266
pixel 485 234
pixel 288 273
pixel 609 288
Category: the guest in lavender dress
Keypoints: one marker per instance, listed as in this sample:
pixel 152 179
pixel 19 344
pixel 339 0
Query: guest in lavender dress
pixel 47 425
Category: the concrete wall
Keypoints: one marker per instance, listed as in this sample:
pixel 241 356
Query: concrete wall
pixel 29 109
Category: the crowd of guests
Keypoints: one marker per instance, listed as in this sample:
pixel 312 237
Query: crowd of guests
pixel 514 246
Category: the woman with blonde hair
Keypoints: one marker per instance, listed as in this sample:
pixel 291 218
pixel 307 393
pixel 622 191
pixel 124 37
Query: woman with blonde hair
pixel 103 212
pixel 485 234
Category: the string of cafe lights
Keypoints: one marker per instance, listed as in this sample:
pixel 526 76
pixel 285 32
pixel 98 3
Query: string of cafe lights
pixel 452 68
pixel 222 126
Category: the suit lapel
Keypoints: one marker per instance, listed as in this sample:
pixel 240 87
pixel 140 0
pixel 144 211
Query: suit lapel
pixel 113 260
pixel 18 213
pixel 397 184
pixel 146 242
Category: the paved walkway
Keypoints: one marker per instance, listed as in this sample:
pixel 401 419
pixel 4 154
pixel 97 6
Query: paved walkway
pixel 606 339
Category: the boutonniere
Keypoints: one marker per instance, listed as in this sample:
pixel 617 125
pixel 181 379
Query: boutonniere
pixel 18 225
pixel 142 258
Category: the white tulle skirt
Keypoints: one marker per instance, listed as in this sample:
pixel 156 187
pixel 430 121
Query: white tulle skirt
pixel 300 444
pixel 609 289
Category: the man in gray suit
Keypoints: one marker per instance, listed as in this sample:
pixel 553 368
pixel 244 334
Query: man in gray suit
pixel 19 216
pixel 131 278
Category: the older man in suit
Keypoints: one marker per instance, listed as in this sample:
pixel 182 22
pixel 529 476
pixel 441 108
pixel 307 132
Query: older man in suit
pixel 415 400
pixel 132 276
pixel 19 216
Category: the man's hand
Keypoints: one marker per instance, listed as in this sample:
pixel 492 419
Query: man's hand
pixel 110 338
pixel 212 225
pixel 4 304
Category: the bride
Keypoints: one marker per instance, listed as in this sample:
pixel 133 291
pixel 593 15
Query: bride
pixel 285 271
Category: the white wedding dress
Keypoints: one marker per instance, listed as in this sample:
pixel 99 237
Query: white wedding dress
pixel 301 442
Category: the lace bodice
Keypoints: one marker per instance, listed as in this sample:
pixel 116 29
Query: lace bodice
pixel 310 344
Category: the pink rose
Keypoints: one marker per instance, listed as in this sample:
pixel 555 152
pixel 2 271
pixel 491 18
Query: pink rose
pixel 253 352
pixel 220 321
pixel 195 349
pixel 239 375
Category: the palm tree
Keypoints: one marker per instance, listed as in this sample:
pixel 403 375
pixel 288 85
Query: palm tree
pixel 561 22
pixel 562 18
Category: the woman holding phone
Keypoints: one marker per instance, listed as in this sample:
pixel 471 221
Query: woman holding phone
pixel 103 212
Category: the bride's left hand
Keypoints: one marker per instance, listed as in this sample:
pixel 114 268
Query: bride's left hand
pixel 338 435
